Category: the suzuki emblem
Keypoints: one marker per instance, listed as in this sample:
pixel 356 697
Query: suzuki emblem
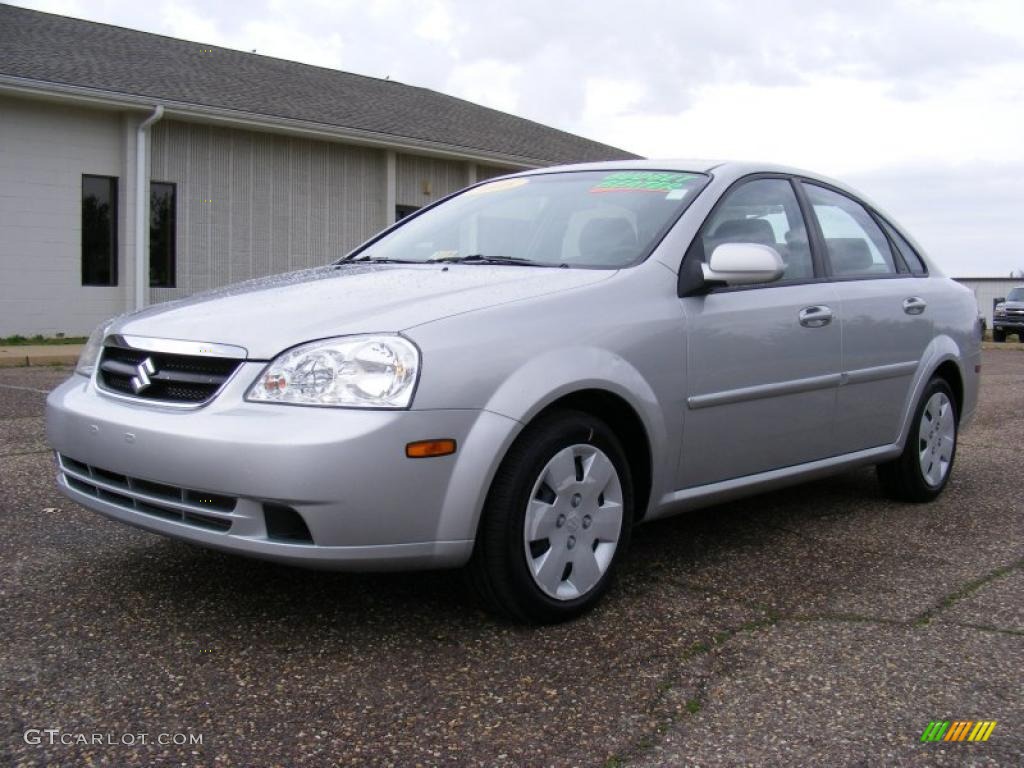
pixel 143 371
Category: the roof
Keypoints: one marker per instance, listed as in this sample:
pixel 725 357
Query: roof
pixel 63 51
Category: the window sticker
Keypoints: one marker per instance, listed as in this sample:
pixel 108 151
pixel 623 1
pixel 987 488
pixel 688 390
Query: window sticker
pixel 646 181
pixel 676 194
pixel 498 186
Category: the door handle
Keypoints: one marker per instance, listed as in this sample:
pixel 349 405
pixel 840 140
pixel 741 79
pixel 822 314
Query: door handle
pixel 815 317
pixel 914 305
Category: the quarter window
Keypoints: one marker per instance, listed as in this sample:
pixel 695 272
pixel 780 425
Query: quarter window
pixel 763 211
pixel 855 244
pixel 99 230
pixel 162 220
pixel 911 257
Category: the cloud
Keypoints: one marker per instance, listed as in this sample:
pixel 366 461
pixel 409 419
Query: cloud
pixel 928 91
pixel 966 216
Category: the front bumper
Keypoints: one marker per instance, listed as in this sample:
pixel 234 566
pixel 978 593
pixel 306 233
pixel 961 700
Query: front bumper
pixel 1011 324
pixel 344 471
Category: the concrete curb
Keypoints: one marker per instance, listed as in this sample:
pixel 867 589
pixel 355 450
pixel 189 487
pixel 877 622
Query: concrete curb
pixel 1007 346
pixel 57 354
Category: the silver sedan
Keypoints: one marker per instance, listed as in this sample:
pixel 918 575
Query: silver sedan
pixel 513 378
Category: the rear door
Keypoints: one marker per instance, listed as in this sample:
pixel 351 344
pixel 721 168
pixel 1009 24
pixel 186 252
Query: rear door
pixel 763 361
pixel 886 321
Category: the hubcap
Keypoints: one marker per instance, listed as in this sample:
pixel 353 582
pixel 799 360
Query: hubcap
pixel 936 439
pixel 573 521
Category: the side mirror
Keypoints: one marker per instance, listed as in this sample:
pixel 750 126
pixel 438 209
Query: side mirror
pixel 743 264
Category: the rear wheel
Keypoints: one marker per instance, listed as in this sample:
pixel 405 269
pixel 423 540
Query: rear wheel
pixel 556 521
pixel 922 470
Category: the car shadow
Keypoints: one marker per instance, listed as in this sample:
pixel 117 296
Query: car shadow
pixel 196 586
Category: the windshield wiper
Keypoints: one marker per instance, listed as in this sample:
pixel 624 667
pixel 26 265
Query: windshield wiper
pixel 480 258
pixel 369 258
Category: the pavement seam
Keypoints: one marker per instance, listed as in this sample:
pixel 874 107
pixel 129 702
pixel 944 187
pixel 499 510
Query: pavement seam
pixel 646 742
pixel 24 453
pixel 964 591
pixel 987 628
pixel 26 389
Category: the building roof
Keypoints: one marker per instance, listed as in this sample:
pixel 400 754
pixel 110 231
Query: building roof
pixel 62 51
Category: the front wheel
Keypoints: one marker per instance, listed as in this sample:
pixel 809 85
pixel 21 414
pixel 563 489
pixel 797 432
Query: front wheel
pixel 998 335
pixel 922 470
pixel 556 521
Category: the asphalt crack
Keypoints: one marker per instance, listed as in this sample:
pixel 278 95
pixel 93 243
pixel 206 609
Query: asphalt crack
pixel 694 702
pixel 26 389
pixel 965 591
pixel 696 699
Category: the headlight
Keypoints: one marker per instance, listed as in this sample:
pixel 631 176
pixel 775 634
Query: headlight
pixel 1000 309
pixel 352 371
pixel 93 347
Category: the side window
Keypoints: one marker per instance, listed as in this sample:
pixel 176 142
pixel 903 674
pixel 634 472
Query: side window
pixel 763 211
pixel 856 245
pixel 911 257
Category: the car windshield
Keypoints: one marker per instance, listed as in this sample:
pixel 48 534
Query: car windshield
pixel 1016 294
pixel 602 219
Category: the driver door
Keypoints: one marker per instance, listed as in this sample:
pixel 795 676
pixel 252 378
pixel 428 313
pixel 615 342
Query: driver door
pixel 764 361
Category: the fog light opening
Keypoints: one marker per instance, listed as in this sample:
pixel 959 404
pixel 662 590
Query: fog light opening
pixel 285 524
pixel 423 449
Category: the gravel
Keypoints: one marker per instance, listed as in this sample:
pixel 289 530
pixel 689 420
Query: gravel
pixel 818 625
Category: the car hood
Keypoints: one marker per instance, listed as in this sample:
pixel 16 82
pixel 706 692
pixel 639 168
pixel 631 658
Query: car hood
pixel 268 315
pixel 1011 305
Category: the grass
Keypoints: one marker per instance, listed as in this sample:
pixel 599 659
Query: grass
pixel 39 340
pixel 988 336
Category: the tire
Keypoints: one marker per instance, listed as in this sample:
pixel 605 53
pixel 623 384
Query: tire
pixel 923 469
pixel 567 477
pixel 998 335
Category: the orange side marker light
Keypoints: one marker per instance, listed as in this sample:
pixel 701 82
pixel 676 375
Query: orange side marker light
pixel 424 449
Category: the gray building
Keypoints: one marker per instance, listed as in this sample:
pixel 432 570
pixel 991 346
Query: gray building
pixel 988 289
pixel 137 168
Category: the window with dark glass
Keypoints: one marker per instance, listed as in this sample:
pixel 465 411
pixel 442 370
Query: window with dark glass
pixel 99 230
pixel 162 220
pixel 401 211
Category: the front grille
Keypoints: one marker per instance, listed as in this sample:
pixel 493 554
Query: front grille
pixel 163 376
pixel 204 510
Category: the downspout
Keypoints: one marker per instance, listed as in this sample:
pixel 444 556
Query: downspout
pixel 142 206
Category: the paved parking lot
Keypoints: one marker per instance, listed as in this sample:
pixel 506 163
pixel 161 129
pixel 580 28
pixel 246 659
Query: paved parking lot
pixel 820 625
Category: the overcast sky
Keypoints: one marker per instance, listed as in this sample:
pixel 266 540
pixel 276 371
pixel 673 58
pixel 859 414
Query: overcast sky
pixel 918 104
